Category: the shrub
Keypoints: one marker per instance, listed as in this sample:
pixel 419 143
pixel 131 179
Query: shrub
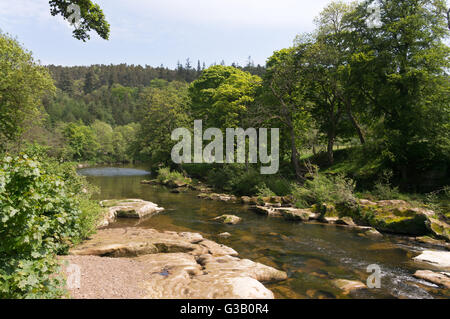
pixel 279 186
pixel 264 191
pixel 41 215
pixel 247 182
pixel 324 189
pixel 383 189
pixel 165 176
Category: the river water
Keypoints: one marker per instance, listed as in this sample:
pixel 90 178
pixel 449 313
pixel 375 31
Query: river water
pixel 312 254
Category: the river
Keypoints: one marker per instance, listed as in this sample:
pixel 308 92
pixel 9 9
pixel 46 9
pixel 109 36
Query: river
pixel 311 254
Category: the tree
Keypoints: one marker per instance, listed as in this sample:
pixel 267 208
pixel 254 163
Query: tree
pixel 92 17
pixel 222 95
pixel 285 80
pixel 164 110
pixel 331 90
pixel 402 69
pixel 23 84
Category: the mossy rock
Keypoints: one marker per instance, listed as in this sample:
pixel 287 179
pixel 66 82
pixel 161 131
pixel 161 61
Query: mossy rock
pixel 439 228
pixel 228 219
pixel 325 210
pixel 413 226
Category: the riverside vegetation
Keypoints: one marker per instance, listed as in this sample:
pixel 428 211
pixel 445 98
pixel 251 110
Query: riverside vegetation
pixel 363 115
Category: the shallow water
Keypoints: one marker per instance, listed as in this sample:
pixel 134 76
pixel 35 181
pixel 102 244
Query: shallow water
pixel 312 254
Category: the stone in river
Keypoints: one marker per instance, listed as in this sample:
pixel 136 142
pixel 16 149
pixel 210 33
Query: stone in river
pixel 348 286
pixel 438 259
pixel 228 219
pixel 438 278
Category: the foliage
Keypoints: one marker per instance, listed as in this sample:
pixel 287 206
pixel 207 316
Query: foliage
pixel 222 95
pixel 264 191
pixel 23 83
pixel 164 110
pixel 92 18
pixel 324 189
pixel 166 176
pixel 43 210
pixel 384 190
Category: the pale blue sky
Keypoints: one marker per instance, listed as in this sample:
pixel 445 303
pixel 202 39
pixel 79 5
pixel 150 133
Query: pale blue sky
pixel 164 31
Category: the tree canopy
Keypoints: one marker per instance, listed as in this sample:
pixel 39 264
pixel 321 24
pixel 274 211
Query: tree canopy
pixel 91 17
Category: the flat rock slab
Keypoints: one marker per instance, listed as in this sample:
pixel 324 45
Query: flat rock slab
pixel 166 265
pixel 438 259
pixel 438 278
pixel 127 208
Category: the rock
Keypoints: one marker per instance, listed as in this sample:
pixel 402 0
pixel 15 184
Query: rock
pixel 288 213
pixel 330 220
pixel 149 182
pixel 228 219
pixel 373 233
pixel 127 208
pixel 295 214
pixel 438 228
pixel 392 203
pixel 255 200
pixel 222 197
pixel 366 202
pixel 325 210
pixel 433 242
pixel 439 259
pixel 347 221
pixel 175 265
pixel 224 235
pixel 395 219
pixel 441 279
pixel 203 196
pixel 133 249
pixel 264 210
pixel 246 200
pixel 136 209
pixel 348 286
pixel 215 249
pixel 177 183
pixel 276 200
pixel 228 265
pixel 287 200
pixel 133 242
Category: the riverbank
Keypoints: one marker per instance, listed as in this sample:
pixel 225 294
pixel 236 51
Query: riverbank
pixel 373 218
pixel 306 251
pixel 146 263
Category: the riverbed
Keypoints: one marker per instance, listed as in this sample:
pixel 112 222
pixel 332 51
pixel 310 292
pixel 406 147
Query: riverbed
pixel 311 254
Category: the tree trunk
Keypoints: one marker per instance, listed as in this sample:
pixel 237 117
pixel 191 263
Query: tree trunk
pixel 331 137
pixel 295 156
pixel 357 127
pixel 355 123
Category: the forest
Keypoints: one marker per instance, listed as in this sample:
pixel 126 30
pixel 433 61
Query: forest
pixel 363 111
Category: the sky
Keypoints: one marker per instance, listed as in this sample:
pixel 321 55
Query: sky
pixel 150 32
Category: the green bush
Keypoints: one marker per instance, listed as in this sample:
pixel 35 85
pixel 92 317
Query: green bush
pixel 279 186
pixel 264 191
pixel 384 190
pixel 324 189
pixel 247 182
pixel 41 215
pixel 165 176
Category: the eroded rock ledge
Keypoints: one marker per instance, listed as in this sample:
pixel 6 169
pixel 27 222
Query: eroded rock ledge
pixel 169 265
pixel 127 208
